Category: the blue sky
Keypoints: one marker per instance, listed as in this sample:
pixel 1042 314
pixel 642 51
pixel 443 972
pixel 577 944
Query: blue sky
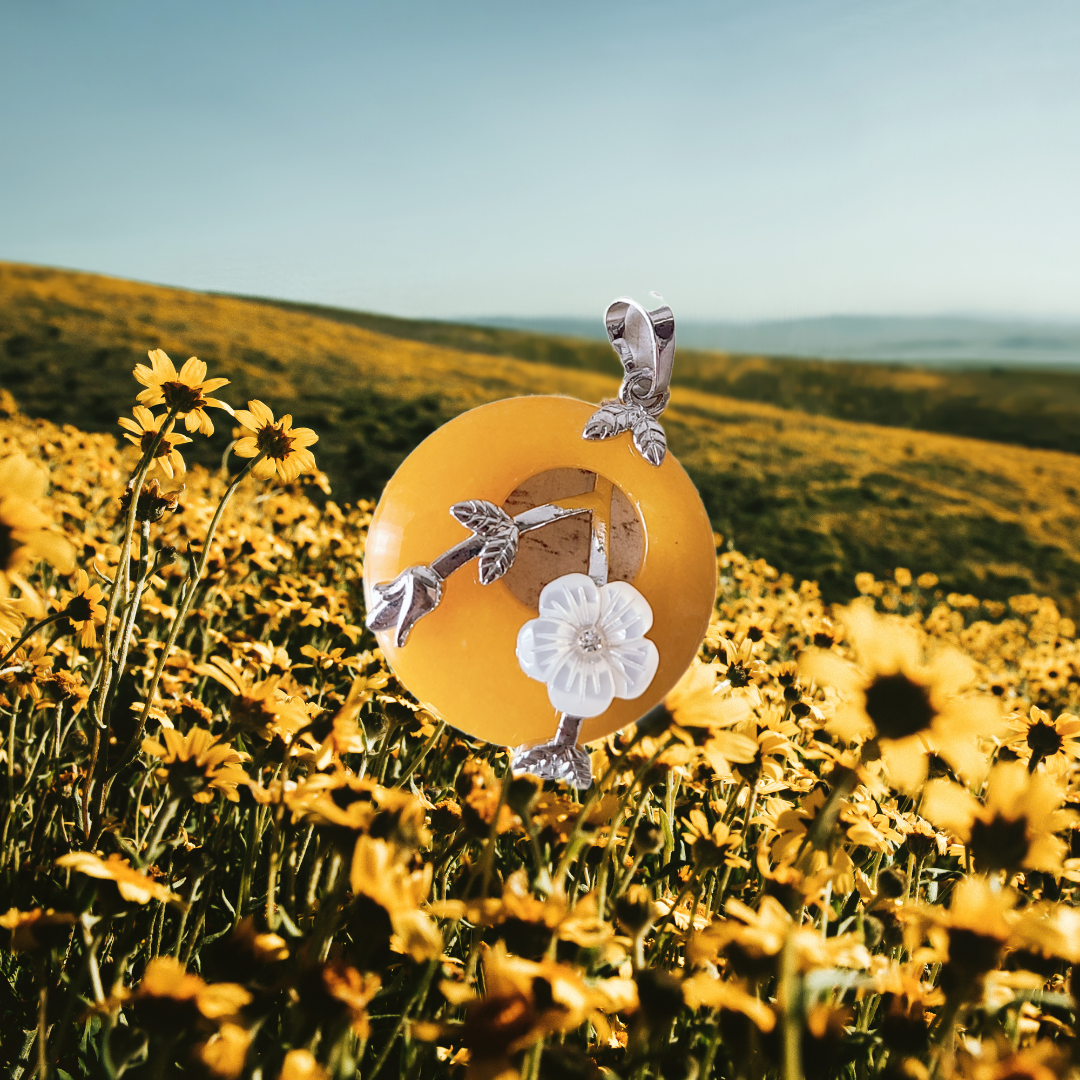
pixel 751 160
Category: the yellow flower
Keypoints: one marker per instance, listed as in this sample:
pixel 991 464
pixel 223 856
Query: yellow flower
pixel 153 502
pixel 37 929
pixel 142 432
pixel 83 608
pixel 225 1052
pixel 711 847
pixel 130 883
pixel 260 707
pixel 186 392
pixel 352 992
pixel 716 993
pixel 197 764
pixel 285 447
pixel 27 670
pixel 1015 827
pixel 24 534
pixel 167 991
pixel 301 1065
pixel 901 705
pixel 378 874
pixel 524 1001
pixel 1036 738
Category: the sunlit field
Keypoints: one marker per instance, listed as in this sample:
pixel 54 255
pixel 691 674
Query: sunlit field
pixel 822 497
pixel 232 845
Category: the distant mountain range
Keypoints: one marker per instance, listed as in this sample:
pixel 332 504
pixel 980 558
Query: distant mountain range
pixel 922 340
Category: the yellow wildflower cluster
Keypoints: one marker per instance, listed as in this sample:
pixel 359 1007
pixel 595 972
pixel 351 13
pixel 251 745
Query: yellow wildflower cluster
pixel 233 845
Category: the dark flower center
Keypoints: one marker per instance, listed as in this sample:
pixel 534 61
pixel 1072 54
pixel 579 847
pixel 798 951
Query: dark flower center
pixel 898 706
pixel 972 953
pixel 738 674
pixel 186 777
pixel 79 609
pixel 999 844
pixel 152 504
pixel 8 546
pixel 274 442
pixel 182 397
pixel 1043 739
pixel 164 449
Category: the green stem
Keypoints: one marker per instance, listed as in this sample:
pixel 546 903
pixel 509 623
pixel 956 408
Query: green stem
pixel 788 1000
pixel 178 620
pixel 29 634
pixel 417 761
pixel 122 567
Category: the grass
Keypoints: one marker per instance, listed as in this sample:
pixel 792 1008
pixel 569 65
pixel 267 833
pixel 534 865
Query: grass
pixel 821 496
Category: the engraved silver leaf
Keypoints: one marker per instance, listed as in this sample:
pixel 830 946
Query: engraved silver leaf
pixel 611 419
pixel 497 556
pixel 483 518
pixel 409 597
pixel 649 438
pixel 552 761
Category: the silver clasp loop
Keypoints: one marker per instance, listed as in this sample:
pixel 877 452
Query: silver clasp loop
pixel 645 343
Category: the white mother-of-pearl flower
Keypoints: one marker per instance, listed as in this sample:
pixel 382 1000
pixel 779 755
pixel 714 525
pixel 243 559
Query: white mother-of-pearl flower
pixel 589 644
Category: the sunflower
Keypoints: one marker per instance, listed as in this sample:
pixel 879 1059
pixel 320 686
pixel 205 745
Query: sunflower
pixel 712 846
pixel 1036 738
pixel 130 883
pixel 186 392
pixel 197 764
pixel 144 429
pixel 285 447
pixel 28 670
pixel 37 929
pixel 1015 828
pixel 169 996
pixel 83 609
pixel 899 704
pixel 24 534
pixel 153 502
pixel 260 707
pixel 225 1052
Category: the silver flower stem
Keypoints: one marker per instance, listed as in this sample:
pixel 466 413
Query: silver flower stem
pixel 457 556
pixel 568 730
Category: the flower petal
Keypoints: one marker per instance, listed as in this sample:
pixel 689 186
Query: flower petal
pixel 540 645
pixel 625 613
pixel 633 666
pixel 193 372
pixel 580 688
pixel 573 598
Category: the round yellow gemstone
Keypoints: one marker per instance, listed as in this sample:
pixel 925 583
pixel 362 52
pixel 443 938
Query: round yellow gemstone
pixel 460 658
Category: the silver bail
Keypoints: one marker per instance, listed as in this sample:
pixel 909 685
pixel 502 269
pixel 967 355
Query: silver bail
pixel 645 343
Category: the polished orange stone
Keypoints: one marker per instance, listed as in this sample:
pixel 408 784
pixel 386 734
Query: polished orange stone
pixel 460 658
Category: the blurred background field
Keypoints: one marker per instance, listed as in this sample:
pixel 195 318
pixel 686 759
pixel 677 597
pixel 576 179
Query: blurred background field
pixel 824 468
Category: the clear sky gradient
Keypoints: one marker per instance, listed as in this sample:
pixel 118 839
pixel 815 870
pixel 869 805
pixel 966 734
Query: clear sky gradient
pixel 744 160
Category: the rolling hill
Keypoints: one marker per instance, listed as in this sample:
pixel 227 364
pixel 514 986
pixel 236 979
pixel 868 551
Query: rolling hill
pixel 818 496
pixel 1022 403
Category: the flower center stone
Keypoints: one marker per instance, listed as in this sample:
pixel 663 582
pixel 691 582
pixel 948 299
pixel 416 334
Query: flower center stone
pixel 590 640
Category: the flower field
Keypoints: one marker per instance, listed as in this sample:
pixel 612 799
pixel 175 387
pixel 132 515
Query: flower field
pixel 232 845
pixel 821 497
